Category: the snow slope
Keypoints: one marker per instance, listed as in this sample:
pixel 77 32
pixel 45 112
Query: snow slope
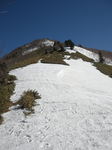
pixel 89 54
pixel 74 113
pixel 84 52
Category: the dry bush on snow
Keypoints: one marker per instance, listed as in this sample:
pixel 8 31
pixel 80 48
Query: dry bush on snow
pixel 27 100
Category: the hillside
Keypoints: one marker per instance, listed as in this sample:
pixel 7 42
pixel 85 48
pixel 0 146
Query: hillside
pixel 38 47
pixel 27 51
pixel 74 111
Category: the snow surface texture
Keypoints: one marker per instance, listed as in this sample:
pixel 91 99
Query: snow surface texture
pixel 74 113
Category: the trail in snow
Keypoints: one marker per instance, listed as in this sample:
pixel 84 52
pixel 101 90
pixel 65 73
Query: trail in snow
pixel 75 112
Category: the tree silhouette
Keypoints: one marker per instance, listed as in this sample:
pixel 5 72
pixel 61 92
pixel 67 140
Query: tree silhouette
pixel 101 60
pixel 69 43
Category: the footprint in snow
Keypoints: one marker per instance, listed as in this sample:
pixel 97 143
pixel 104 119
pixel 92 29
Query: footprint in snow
pixel 44 145
pixel 29 138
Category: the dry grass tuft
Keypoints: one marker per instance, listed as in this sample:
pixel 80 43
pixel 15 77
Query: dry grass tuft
pixel 105 69
pixel 55 58
pixel 27 101
pixel 78 55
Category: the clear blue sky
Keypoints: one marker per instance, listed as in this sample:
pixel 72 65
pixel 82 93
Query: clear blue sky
pixel 85 22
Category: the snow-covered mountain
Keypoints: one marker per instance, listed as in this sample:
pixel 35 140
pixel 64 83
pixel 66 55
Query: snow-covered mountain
pixel 74 112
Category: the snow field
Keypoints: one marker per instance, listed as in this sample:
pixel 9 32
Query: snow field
pixel 75 111
pixel 92 55
pixel 87 53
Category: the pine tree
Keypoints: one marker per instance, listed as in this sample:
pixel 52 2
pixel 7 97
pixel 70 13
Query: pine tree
pixel 69 43
pixel 101 60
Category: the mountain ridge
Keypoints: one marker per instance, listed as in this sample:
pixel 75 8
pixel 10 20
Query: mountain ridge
pixel 17 54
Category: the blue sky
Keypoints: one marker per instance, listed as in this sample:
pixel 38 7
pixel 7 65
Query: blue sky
pixel 85 22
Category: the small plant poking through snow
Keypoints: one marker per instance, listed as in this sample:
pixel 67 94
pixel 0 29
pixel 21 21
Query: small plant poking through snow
pixel 27 101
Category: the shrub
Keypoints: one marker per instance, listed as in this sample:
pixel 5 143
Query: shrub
pixel 58 47
pixel 27 100
pixel 5 93
pixel 3 72
pixel 3 102
pixel 1 119
pixel 11 78
pixel 69 43
pixel 80 45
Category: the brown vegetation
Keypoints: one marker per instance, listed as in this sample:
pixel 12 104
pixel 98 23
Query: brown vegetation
pixel 27 101
pixel 78 55
pixel 5 93
pixel 54 58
